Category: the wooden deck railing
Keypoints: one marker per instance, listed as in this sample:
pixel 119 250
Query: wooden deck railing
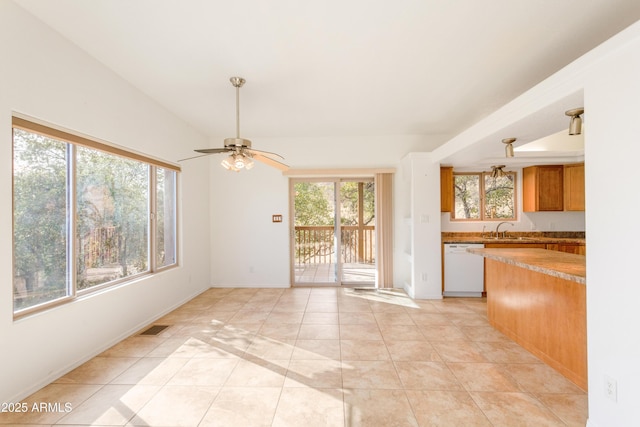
pixel 315 244
pixel 100 246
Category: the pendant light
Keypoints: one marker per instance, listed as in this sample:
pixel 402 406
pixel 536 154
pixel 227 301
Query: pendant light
pixel 497 172
pixel 508 149
pixel 575 126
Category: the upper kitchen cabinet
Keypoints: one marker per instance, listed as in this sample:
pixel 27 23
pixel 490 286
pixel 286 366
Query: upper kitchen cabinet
pixel 446 188
pixel 574 187
pixel 543 188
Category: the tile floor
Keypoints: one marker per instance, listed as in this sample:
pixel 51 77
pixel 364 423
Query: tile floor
pixel 314 357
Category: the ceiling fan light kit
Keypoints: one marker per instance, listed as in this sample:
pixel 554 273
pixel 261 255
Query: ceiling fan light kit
pixel 236 162
pixel 241 155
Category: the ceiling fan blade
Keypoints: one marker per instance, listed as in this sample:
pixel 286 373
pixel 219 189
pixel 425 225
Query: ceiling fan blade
pixel 269 161
pixel 267 153
pixel 194 157
pixel 213 150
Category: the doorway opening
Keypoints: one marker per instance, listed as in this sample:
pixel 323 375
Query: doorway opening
pixel 333 232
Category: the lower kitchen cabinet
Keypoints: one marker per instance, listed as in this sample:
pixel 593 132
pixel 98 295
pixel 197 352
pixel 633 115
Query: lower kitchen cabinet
pixel 510 246
pixel 572 248
pixel 545 314
pixel 516 245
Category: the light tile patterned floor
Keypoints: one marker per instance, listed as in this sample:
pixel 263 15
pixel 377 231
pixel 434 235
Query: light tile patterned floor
pixel 315 357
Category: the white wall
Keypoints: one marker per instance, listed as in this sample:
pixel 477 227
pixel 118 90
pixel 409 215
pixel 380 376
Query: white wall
pixel 47 78
pixel 612 150
pixel 419 238
pixel 247 248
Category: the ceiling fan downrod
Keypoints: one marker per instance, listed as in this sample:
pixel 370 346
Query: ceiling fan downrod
pixel 238 143
pixel 237 82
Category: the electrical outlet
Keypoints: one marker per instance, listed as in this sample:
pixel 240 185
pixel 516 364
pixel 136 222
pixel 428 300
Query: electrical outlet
pixel 424 277
pixel 611 388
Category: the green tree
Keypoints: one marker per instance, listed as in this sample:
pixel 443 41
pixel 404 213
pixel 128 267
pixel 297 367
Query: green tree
pixel 349 198
pixel 112 201
pixel 313 204
pixel 467 196
pixel 314 207
pixel 40 219
pixel 498 196
pixel 355 216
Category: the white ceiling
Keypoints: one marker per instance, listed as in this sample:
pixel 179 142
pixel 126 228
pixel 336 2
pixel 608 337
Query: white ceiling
pixel 335 67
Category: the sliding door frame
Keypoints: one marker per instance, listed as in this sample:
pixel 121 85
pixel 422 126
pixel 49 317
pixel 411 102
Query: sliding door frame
pixel 384 238
pixel 336 180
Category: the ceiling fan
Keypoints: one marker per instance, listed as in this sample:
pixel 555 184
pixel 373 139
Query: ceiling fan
pixel 241 155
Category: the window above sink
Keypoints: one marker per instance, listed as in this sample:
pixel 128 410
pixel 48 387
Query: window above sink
pixel 480 197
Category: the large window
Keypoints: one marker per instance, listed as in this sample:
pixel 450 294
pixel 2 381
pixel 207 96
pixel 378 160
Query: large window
pixel 86 215
pixel 481 197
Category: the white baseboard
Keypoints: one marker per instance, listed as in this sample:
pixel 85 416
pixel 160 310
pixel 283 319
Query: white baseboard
pixel 252 285
pixel 71 366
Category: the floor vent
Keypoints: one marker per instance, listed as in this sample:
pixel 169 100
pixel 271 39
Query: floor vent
pixel 154 330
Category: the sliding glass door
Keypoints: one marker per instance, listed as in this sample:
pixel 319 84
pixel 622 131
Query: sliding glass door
pixel 333 232
pixel 357 232
pixel 314 234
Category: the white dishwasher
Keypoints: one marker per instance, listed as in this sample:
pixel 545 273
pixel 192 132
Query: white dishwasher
pixel 463 271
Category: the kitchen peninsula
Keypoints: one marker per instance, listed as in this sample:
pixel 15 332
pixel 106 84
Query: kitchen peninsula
pixel 537 297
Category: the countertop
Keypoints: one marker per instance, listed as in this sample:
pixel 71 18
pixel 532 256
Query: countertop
pixel 516 237
pixel 557 264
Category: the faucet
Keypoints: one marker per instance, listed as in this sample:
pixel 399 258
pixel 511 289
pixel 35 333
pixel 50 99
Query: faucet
pixel 498 229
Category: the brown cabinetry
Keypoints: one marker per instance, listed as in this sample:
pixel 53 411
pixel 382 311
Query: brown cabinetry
pixel 446 189
pixel 574 187
pixel 543 313
pixel 509 245
pixel 516 245
pixel 543 188
pixel 572 248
